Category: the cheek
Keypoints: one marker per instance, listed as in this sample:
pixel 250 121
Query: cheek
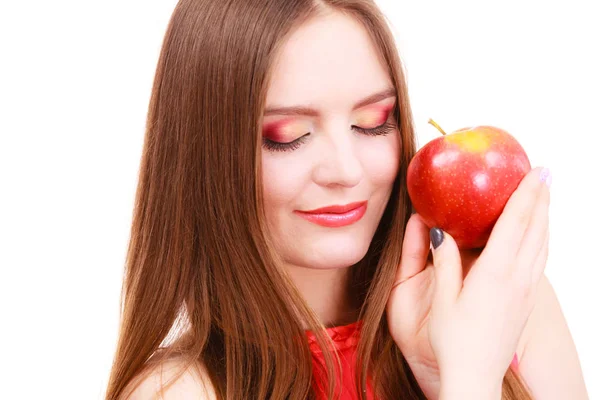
pixel 283 181
pixel 381 159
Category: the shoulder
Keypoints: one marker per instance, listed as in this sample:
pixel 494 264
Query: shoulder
pixel 167 381
pixel 548 360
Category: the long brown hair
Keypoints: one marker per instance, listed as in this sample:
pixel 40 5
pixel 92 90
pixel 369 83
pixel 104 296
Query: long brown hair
pixel 202 283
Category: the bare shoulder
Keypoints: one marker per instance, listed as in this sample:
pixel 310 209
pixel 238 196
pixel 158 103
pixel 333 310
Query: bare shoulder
pixel 193 383
pixel 549 361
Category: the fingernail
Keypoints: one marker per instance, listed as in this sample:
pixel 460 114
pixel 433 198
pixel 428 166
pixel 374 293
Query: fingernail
pixel 437 237
pixel 546 176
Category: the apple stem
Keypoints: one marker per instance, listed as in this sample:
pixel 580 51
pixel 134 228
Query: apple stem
pixel 432 122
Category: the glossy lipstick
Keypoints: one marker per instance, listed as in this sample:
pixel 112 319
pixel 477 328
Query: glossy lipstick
pixel 335 216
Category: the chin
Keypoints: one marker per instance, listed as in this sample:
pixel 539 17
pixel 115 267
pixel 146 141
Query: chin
pixel 333 253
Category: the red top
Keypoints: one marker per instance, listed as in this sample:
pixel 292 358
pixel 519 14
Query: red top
pixel 345 340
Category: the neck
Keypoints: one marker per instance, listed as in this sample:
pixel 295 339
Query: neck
pixel 326 292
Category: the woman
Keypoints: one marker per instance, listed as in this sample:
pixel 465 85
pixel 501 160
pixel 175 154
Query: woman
pixel 265 117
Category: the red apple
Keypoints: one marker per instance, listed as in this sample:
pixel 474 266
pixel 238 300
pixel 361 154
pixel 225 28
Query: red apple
pixel 461 182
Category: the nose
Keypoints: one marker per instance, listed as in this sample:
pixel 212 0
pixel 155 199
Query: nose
pixel 338 162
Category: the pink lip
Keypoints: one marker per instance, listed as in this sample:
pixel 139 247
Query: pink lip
pixel 337 215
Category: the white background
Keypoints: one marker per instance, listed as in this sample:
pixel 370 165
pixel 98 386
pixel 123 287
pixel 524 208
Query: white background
pixel 75 77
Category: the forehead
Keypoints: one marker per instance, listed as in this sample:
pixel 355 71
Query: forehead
pixel 330 63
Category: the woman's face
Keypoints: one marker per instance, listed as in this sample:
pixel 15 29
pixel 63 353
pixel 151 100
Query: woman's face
pixel 339 153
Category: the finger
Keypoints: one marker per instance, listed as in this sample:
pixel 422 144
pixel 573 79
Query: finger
pixel 468 257
pixel 535 236
pixel 415 249
pixel 447 267
pixel 541 260
pixel 508 231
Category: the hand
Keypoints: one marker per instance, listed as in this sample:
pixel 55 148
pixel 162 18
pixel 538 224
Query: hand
pixel 472 330
pixel 475 325
pixel 409 304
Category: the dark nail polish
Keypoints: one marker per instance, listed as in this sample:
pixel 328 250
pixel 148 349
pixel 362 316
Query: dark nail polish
pixel 437 237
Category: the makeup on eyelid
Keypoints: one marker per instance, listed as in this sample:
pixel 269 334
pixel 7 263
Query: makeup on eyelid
pixel 289 129
pixel 374 117
pixel 286 130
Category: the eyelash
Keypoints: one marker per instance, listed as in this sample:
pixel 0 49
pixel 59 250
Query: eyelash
pixel 290 146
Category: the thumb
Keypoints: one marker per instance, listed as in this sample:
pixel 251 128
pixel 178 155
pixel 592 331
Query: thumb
pixel 415 249
pixel 447 265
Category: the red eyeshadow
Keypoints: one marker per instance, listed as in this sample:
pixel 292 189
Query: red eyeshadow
pixel 384 113
pixel 273 131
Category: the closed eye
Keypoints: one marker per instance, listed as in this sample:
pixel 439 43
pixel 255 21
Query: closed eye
pixel 384 129
pixel 287 146
pixel 272 145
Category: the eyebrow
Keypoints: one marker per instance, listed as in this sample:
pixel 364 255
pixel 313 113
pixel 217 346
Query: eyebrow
pixel 311 112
